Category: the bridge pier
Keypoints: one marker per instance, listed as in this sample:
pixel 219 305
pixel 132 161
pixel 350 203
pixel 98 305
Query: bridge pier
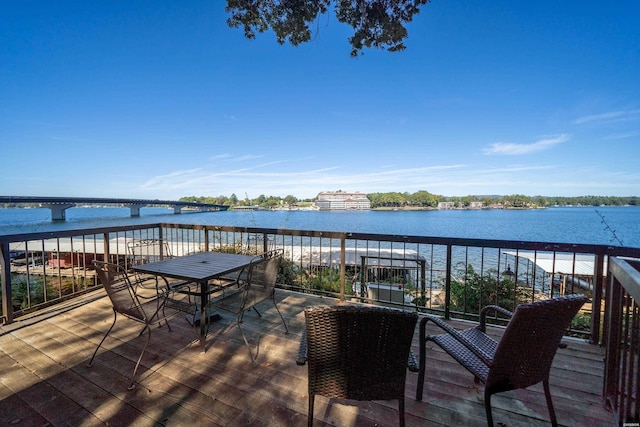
pixel 177 209
pixel 58 210
pixel 135 210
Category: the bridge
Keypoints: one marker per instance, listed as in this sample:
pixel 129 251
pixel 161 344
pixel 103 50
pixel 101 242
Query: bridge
pixel 58 205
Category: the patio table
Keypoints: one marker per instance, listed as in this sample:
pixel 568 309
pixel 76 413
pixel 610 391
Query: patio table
pixel 201 268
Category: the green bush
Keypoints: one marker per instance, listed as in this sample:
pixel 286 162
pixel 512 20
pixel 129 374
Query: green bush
pixel 471 291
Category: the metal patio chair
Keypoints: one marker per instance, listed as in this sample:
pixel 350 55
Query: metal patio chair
pixel 357 352
pixel 147 250
pixel 151 250
pixel 143 252
pixel 521 358
pixel 125 301
pixel 250 290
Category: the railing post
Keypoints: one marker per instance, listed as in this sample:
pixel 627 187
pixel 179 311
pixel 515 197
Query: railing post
pixel 423 280
pixel 105 243
pixel 162 243
pixel 343 262
pixel 447 286
pixel 5 279
pixel 596 307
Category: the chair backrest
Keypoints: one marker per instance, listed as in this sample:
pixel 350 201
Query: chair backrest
pixel 262 277
pixel 356 352
pixel 121 292
pixel 530 341
pixel 146 251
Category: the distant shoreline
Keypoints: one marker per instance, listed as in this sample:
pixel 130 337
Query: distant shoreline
pixel 510 208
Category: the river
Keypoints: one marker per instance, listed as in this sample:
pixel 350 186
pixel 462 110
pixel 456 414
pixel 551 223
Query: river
pixel 618 226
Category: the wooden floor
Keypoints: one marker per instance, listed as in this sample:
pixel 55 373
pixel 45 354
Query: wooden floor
pixel 44 379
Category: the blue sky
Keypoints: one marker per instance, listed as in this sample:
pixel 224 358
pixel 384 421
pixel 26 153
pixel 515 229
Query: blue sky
pixel 151 99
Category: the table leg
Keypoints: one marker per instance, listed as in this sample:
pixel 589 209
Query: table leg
pixel 204 316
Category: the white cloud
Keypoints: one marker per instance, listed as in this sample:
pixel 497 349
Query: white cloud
pixel 508 148
pixel 622 136
pixel 247 157
pixel 608 117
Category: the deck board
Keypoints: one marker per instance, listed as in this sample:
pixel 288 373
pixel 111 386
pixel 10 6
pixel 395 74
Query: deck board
pixel 44 377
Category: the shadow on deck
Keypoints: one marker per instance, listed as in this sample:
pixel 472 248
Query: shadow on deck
pixel 44 379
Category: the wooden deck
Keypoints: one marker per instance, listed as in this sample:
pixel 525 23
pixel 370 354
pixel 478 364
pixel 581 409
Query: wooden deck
pixel 44 379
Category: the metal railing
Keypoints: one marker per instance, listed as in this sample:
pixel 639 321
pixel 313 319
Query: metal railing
pixel 622 340
pixel 450 276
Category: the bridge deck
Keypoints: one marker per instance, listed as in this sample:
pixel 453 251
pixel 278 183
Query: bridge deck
pixel 58 205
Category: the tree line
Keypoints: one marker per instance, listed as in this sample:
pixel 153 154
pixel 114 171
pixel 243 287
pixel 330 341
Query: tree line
pixel 419 200
pixel 267 202
pixel 424 199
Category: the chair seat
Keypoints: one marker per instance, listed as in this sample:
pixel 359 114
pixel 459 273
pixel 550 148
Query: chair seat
pixel 184 288
pixel 229 300
pixel 466 357
pixel 215 285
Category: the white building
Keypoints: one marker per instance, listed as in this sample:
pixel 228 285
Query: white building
pixel 446 205
pixel 341 200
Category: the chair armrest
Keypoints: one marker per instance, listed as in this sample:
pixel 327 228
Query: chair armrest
pixel 412 363
pixel 454 333
pixel 485 310
pixel 139 281
pixel 301 358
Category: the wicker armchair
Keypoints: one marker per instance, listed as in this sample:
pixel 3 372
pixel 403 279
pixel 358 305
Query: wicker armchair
pixel 126 301
pixel 359 353
pixel 523 356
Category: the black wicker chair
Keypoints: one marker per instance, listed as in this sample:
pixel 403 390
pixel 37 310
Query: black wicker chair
pixel 523 356
pixel 356 352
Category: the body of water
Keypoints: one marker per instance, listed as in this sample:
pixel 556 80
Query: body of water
pixel 621 225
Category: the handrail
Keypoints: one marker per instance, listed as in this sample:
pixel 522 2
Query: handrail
pixel 621 388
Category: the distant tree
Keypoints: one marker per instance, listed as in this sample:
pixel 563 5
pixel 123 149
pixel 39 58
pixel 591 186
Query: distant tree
pixel 290 200
pixel 272 202
pixel 466 201
pixel 375 23
pixel 392 199
pixel 424 198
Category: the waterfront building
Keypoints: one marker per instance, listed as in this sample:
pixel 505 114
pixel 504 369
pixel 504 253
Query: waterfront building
pixel 446 205
pixel 341 200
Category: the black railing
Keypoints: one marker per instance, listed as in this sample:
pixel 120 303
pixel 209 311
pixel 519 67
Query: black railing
pixel 451 276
